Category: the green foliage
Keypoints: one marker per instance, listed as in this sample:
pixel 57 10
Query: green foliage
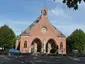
pixel 76 41
pixel 7 37
pixel 72 3
pixel 68 44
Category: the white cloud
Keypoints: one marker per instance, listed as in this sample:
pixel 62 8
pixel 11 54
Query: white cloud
pixel 18 22
pixel 67 20
pixel 68 29
pixel 14 22
pixel 60 16
pixel 16 25
pixel 59 1
pixel 57 12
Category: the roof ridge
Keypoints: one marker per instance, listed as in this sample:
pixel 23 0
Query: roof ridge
pixel 27 30
pixel 61 34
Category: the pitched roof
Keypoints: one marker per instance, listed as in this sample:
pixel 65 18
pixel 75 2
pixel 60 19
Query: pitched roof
pixel 60 34
pixel 27 31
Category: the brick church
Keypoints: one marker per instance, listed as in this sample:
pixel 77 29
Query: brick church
pixel 41 37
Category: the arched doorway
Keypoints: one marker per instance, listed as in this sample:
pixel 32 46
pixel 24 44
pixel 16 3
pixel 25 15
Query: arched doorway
pixel 51 46
pixel 18 47
pixel 36 45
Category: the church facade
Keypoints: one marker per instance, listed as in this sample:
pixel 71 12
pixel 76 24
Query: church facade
pixel 41 37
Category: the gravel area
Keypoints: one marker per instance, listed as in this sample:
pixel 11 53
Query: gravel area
pixel 30 59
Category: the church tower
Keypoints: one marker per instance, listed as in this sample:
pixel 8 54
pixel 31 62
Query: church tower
pixel 44 13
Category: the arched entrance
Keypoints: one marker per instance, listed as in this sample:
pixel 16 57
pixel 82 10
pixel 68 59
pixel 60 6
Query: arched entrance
pixel 51 46
pixel 18 47
pixel 36 45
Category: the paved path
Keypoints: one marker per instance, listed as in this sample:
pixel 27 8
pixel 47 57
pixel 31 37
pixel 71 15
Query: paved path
pixel 41 60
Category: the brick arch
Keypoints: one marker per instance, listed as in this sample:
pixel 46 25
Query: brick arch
pixel 35 39
pixel 52 39
pixel 36 45
pixel 53 45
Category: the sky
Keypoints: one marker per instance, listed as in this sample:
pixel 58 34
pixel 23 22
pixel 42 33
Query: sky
pixel 19 14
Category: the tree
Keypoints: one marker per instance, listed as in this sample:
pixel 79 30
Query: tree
pixel 76 41
pixel 69 44
pixel 7 37
pixel 72 3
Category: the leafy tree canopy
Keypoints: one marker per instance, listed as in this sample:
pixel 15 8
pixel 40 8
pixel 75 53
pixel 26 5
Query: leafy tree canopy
pixel 76 40
pixel 7 37
pixel 72 3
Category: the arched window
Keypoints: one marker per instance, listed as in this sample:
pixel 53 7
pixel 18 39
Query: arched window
pixel 44 12
pixel 61 46
pixel 25 44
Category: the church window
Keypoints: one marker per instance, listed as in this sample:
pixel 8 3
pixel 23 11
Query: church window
pixel 25 44
pixel 61 46
pixel 44 12
pixel 44 29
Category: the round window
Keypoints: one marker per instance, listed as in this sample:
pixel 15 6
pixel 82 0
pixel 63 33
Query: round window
pixel 44 29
